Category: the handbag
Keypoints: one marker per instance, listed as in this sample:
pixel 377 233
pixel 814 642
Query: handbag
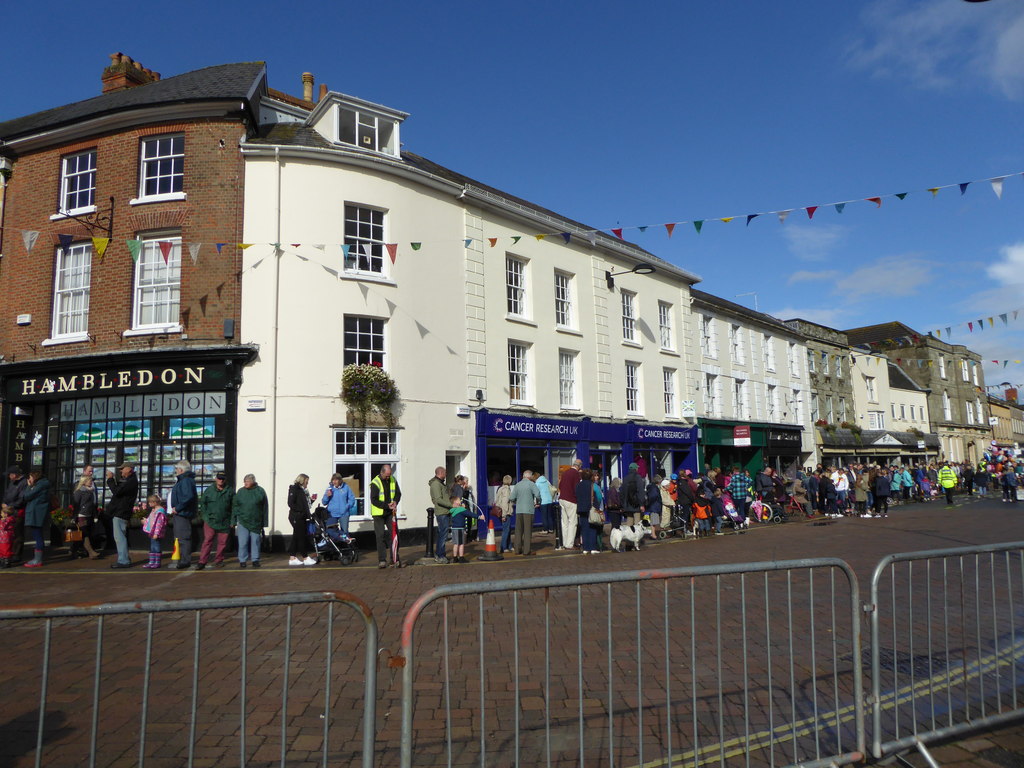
pixel 596 516
pixel 72 534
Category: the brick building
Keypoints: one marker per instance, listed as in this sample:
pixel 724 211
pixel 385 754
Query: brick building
pixel 118 338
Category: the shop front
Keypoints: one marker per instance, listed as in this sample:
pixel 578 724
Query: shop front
pixel 150 409
pixel 728 444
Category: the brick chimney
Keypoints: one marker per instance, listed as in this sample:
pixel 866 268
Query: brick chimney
pixel 123 73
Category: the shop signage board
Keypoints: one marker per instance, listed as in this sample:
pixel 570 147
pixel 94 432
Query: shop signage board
pixel 741 436
pixel 121 380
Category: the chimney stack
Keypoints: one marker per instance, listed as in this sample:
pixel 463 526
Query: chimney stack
pixel 124 73
pixel 1011 395
pixel 307 86
pixel 323 92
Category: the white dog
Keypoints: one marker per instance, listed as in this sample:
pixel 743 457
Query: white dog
pixel 628 533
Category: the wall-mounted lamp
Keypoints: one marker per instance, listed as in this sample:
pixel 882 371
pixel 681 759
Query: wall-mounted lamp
pixel 643 268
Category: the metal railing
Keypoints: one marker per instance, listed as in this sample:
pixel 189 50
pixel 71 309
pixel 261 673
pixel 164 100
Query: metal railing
pixel 228 659
pixel 751 664
pixel 947 644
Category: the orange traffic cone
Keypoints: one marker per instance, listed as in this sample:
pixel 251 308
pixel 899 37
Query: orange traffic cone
pixel 177 552
pixel 491 553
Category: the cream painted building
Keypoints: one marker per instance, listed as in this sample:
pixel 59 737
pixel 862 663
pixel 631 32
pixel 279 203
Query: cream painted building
pixel 511 351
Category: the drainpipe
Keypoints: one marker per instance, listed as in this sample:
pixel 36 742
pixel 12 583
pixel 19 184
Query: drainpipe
pixel 277 305
pixel 5 174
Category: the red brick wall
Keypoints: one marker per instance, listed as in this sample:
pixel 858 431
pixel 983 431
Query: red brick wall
pixel 210 290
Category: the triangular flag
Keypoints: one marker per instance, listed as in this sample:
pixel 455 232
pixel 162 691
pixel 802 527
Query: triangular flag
pixel 295 245
pixel 65 242
pixel 193 251
pixel 991 322
pixel 949 331
pixel 900 195
pixel 345 249
pixel 99 245
pixel 320 246
pixel 516 239
pixel 592 238
pixel 669 228
pixel 810 211
pixel 783 215
pixel 1005 362
pixel 243 246
pixel 493 241
pixel 981 325
pixel 1005 318
pixel 840 207
pixel 165 250
pixel 997 186
pixel 617 233
pixel 938 333
pixel 468 241
pixel 538 238
pixel 876 200
pixel 751 217
pixel 727 219
pixel 29 237
pixel 642 229
pixel 219 246
pixel 392 251
pixel 963 186
pixel 134 247
pixel 697 225
pixel 277 246
pixel 970 327
pixel 416 246
pixel 567 237
pixel 933 190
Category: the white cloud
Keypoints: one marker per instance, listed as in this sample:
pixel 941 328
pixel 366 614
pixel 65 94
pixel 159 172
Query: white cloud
pixel 940 44
pixel 1009 271
pixel 886 278
pixel 813 242
pixel 806 276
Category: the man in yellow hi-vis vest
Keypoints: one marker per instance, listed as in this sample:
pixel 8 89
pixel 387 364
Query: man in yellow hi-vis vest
pixel 384 497
pixel 947 479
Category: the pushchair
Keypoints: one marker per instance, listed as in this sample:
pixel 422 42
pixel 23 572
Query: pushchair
pixel 733 515
pixel 679 522
pixel 765 510
pixel 330 541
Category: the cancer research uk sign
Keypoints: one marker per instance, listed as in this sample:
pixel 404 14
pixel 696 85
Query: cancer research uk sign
pixel 648 434
pixel 540 429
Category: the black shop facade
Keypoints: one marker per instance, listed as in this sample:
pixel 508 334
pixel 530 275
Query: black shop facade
pixel 507 443
pixel 150 409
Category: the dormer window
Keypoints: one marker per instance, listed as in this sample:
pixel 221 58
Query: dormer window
pixel 367 130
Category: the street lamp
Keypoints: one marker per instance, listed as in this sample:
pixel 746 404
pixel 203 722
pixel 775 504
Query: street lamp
pixel 643 268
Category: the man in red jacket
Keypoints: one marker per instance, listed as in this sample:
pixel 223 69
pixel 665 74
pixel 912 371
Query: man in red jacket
pixel 567 501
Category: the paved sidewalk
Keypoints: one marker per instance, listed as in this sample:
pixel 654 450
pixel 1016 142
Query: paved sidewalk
pixel 861 542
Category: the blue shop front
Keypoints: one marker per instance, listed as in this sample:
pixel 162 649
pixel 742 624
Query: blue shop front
pixel 508 443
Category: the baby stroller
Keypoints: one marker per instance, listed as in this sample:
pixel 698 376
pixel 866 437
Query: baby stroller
pixel 330 541
pixel 766 511
pixel 732 514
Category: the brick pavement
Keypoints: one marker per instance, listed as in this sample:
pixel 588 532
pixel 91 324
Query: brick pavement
pixel 860 542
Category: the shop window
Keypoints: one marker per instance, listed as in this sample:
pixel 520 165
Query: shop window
pixel 364 341
pixel 364 236
pixel 358 456
pixel 158 284
pixel 71 292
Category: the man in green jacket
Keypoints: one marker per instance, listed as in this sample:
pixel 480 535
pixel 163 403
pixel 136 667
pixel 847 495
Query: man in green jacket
pixel 215 511
pixel 250 514
pixel 441 502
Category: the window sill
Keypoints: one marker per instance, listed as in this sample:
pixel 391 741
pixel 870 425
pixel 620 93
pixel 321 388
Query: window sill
pixel 158 331
pixel 76 212
pixel 633 344
pixel 569 331
pixel 169 197
pixel 670 352
pixel 77 338
pixel 520 404
pixel 366 277
pixel 634 415
pixel 521 320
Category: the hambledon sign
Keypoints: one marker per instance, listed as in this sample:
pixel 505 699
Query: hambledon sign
pixel 127 379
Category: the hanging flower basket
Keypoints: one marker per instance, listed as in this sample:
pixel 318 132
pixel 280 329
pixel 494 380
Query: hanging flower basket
pixel 368 389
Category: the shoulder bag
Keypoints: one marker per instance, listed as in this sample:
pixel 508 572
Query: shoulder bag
pixel 596 516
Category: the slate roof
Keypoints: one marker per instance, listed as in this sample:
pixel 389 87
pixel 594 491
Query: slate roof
pixel 900 380
pixel 224 81
pixel 877 333
pixel 846 439
pixel 739 309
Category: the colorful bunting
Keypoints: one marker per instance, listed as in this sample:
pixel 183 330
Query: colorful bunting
pixel 539 237
pixel 751 217
pixel 516 239
pixel 810 211
pixel 134 248
pixel 840 207
pixel 392 251
pixel 468 241
pixel 220 246
pixel 900 195
pixel 193 251
pixel 65 242
pixel 29 237
pixel 165 250
pixel 933 190
pixel 997 186
pixel 727 219
pixel 963 187
pixel 567 237
pixel 783 215
pixel 876 200
pixel 493 241
pixel 617 232
pixel 642 229
pixel 670 228
pixel 698 224
pixel 416 246
pixel 243 246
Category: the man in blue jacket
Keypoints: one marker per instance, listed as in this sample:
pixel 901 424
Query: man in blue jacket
pixel 182 504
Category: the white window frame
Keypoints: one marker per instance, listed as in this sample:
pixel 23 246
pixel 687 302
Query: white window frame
pixel 869 384
pixel 515 287
pixel 942 367
pixel 815 412
pixel 518 355
pixel 876 419
pixel 839 366
pixel 665 334
pixel 79 274
pixel 768 345
pixel 368 125
pixel 736 350
pixel 794 360
pixel 371 455
pixel 146 164
pixel 947 407
pixel 969 411
pixel 797 405
pixel 842 409
pixel 628 302
pixel 366 240
pixel 980 412
pixel 903 412
pixel 66 177
pixel 149 252
pixel 708 337
pixel 711 401
pixel 668 385
pixel 830 413
pixel 825 364
pixel 567 391
pixel 634 400
pixel 974 373
pixel 963 371
pixel 812 366
pixel 772 402
pixel 364 355
pixel 564 317
pixel 740 399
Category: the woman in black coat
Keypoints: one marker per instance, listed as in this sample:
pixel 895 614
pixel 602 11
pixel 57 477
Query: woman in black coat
pixel 83 502
pixel 299 502
pixel 882 490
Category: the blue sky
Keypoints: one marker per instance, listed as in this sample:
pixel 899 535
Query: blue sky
pixel 639 114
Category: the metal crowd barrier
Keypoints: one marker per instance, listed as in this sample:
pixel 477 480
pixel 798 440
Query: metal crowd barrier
pixel 947 644
pixel 751 664
pixel 183 683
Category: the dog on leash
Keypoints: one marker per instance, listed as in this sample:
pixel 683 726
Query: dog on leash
pixel 635 534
